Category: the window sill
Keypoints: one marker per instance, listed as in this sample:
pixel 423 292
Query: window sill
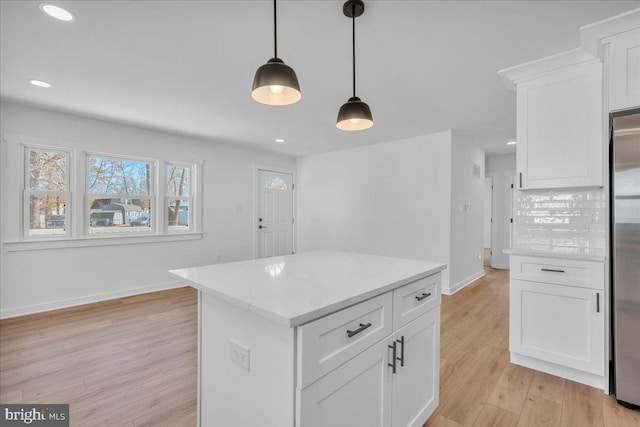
pixel 37 245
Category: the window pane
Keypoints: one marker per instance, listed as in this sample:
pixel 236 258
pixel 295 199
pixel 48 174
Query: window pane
pixel 178 214
pixel 178 180
pixel 109 216
pixel 47 215
pixel 113 176
pixel 47 170
pixel 275 183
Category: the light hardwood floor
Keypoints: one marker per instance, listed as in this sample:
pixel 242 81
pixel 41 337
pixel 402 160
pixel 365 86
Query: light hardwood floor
pixel 132 362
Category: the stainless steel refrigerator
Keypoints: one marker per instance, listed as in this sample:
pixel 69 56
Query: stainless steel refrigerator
pixel 625 256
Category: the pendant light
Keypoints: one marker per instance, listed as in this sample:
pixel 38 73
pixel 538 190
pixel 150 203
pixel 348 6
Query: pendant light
pixel 354 114
pixel 275 83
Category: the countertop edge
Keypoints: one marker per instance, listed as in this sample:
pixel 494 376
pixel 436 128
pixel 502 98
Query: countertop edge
pixel 580 257
pixel 313 315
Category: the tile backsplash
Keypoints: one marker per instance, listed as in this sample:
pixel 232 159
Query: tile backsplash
pixel 561 221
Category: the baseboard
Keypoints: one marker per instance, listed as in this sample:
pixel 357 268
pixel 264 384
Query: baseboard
pixel 463 283
pixel 582 377
pixel 39 308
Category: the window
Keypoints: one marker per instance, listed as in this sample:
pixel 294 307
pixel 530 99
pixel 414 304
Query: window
pixel 46 195
pixel 178 196
pixel 275 183
pixel 119 195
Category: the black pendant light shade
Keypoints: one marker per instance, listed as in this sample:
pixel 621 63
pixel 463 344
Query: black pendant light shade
pixel 354 114
pixel 275 83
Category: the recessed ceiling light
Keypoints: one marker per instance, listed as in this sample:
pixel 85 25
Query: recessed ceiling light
pixel 57 12
pixel 40 83
pixel 512 143
pixel 279 140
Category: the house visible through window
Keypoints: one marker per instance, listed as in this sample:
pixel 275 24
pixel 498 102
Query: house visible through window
pixel 120 195
pixel 46 195
pixel 178 196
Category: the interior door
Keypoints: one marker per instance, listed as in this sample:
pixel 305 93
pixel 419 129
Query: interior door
pixel 275 213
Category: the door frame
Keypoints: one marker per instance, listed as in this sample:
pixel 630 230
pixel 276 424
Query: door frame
pixel 256 204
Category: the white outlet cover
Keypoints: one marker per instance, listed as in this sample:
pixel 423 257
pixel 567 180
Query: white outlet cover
pixel 239 354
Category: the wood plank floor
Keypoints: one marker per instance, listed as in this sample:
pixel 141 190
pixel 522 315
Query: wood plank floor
pixel 132 362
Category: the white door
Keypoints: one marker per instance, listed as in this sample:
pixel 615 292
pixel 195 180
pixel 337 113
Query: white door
pixel 358 393
pixel 275 214
pixel 559 324
pixel 415 383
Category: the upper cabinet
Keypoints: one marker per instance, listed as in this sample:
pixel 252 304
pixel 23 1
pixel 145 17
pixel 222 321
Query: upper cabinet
pixel 624 70
pixel 559 128
pixel 559 121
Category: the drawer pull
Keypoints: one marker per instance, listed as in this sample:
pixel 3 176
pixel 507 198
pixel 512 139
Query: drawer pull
pixel 393 365
pixel 357 331
pixel 552 270
pixel 401 358
pixel 423 296
pixel 598 302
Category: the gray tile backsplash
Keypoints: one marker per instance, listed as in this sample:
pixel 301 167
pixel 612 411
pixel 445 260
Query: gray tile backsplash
pixel 561 221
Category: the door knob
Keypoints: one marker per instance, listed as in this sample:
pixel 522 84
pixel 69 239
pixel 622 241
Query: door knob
pixel 262 226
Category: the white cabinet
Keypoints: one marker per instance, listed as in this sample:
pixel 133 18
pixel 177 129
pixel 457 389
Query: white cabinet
pixel 357 393
pixel 557 314
pixel 372 390
pixel 559 128
pixel 394 382
pixel 624 70
pixel 415 383
pixel 373 363
pixel 559 324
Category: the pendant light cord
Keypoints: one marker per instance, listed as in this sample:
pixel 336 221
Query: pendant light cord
pixel 353 45
pixel 275 31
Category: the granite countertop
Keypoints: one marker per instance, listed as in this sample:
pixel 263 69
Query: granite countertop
pixel 294 289
pixel 561 255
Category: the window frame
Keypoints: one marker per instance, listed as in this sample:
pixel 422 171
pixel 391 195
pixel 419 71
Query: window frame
pixel 152 196
pixel 190 198
pixel 25 149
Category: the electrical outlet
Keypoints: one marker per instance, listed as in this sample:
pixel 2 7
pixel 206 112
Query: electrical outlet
pixel 217 257
pixel 239 354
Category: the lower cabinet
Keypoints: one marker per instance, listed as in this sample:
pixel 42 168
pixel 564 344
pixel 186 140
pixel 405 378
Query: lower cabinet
pixel 559 324
pixel 395 382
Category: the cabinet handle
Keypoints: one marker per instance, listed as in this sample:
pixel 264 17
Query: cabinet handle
pixel 401 358
pixel 553 270
pixel 597 302
pixel 357 331
pixel 423 296
pixel 520 179
pixel 393 365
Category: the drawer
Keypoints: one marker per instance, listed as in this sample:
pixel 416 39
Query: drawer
pixel 415 299
pixel 328 342
pixel 585 274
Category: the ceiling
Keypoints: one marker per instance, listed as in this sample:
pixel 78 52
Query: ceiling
pixel 187 66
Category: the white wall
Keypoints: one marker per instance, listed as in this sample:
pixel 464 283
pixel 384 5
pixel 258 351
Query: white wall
pixel 42 279
pixel 467 212
pixel 501 169
pixel 388 199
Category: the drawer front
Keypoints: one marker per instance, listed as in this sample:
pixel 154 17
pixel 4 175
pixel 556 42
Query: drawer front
pixel 327 343
pixel 413 300
pixel 585 274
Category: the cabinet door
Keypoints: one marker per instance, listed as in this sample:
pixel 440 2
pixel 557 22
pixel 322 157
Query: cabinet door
pixel 559 129
pixel 416 381
pixel 559 324
pixel 624 71
pixel 358 393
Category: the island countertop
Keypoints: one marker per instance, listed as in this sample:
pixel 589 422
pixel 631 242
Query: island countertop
pixel 295 289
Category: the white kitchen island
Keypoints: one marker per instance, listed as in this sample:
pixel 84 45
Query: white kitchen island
pixel 317 339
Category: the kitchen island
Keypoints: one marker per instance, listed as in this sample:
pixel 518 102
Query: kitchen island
pixel 317 339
